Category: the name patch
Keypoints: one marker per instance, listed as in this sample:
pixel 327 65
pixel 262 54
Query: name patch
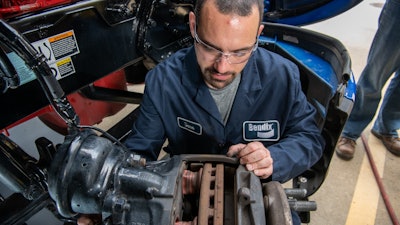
pixel 189 126
pixel 261 130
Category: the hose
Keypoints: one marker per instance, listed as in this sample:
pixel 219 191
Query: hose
pixel 378 179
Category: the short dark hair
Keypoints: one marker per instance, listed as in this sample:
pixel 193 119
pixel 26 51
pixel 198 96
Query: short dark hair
pixel 238 7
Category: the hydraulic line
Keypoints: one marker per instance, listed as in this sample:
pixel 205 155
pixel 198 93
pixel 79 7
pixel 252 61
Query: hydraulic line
pixel 37 62
pixel 378 179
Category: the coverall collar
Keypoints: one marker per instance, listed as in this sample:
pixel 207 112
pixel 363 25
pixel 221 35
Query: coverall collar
pixel 249 84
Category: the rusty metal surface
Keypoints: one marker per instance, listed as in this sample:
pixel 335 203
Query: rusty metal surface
pixel 219 195
pixel 211 205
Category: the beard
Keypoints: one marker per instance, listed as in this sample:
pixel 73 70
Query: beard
pixel 216 80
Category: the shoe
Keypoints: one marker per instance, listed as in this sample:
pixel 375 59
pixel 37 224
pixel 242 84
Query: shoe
pixel 345 148
pixel 391 143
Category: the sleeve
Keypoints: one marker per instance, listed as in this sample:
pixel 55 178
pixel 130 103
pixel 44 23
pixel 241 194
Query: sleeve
pixel 301 144
pixel 148 133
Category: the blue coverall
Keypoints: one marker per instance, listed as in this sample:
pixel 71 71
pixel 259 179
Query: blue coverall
pixel 269 107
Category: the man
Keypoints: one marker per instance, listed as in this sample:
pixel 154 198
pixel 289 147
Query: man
pixel 383 61
pixel 226 96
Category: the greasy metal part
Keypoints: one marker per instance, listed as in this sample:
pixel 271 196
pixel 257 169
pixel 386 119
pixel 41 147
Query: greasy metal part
pixel 8 76
pixel 163 19
pixel 298 200
pixel 136 160
pixel 277 208
pixel 121 10
pixel 249 202
pixel 18 170
pixel 302 206
pixel 26 177
pixel 84 162
pixel 46 151
pixel 16 209
pixel 91 175
pixel 12 172
pixel 295 192
pixel 211 158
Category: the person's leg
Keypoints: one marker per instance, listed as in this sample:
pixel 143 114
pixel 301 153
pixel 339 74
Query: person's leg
pixel 388 120
pixel 383 61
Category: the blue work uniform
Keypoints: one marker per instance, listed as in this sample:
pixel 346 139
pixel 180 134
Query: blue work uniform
pixel 269 107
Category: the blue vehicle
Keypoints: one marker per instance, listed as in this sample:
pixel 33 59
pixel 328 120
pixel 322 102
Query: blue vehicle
pixel 68 63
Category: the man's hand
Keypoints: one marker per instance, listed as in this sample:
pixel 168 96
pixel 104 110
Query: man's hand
pixel 255 157
pixel 89 219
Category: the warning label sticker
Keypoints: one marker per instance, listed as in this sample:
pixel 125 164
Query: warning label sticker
pixel 58 50
pixel 65 67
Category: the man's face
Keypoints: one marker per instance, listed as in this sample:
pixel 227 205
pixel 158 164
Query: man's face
pixel 233 35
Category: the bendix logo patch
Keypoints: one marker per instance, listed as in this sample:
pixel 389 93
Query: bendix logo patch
pixel 261 130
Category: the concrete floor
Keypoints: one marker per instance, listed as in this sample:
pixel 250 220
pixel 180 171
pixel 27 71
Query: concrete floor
pixel 350 194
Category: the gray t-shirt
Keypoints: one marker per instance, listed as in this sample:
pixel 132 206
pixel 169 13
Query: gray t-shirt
pixel 224 97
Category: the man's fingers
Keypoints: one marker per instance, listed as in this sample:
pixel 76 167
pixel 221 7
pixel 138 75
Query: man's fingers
pixel 262 168
pixel 89 219
pixel 235 149
pixel 264 173
pixel 255 157
pixel 261 163
pixel 84 220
